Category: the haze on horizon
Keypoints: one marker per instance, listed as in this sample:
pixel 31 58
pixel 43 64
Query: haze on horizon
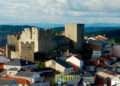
pixel 60 11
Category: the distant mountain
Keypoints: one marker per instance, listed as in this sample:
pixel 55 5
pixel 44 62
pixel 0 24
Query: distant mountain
pixel 109 32
pixel 13 28
pixel 97 29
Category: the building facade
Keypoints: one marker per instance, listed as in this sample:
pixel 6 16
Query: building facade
pixel 75 32
pixel 30 41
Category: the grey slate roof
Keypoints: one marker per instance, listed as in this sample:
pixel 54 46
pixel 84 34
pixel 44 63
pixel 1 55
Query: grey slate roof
pixel 89 79
pixel 25 74
pixel 7 82
pixel 4 59
pixel 19 62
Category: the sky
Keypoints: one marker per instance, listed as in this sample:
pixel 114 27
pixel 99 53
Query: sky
pixel 60 11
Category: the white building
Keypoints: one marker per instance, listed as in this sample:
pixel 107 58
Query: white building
pixel 107 78
pixel 75 61
pixel 59 65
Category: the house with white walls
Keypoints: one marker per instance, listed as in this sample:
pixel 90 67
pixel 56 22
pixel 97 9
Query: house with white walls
pixel 59 65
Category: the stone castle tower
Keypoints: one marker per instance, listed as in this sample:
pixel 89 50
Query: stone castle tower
pixel 75 32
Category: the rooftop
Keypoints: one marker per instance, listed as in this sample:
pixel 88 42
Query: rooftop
pixel 117 64
pixel 74 60
pixel 18 80
pixel 106 74
pixel 19 62
pixel 7 82
pixel 4 59
pixel 63 63
pixel 88 79
pixel 25 74
pixel 2 49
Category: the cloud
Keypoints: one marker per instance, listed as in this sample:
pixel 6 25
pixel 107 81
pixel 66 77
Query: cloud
pixel 60 11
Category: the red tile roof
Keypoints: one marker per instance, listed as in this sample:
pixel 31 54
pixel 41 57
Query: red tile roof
pixel 18 80
pixel 2 49
pixel 1 66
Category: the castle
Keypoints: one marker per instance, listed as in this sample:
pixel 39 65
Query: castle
pixel 33 40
